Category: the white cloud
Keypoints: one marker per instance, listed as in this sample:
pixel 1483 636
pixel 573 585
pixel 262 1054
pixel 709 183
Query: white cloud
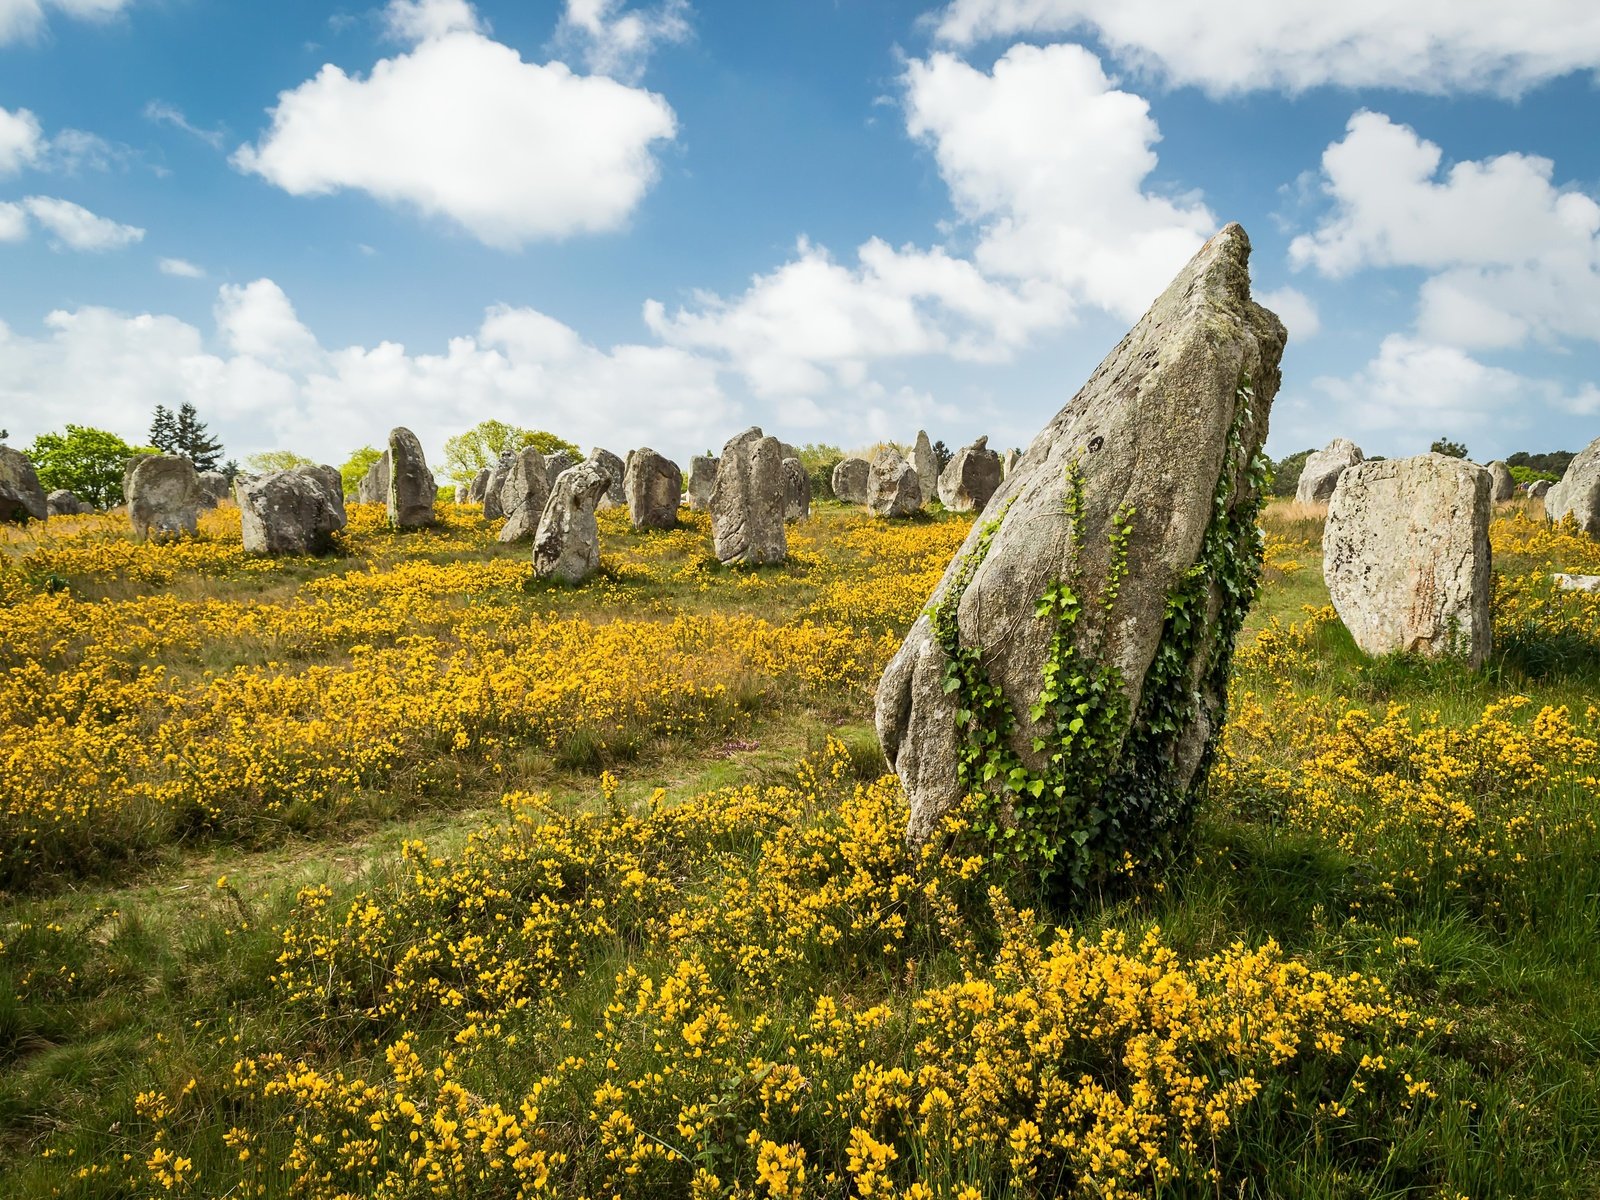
pixel 13 222
pixel 1292 45
pixel 182 268
pixel 163 113
pixel 616 41
pixel 24 19
pixel 413 21
pixel 462 128
pixel 21 140
pixel 1295 309
pixel 76 228
pixel 1513 256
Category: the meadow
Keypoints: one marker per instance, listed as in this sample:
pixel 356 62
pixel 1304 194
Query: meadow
pixel 397 873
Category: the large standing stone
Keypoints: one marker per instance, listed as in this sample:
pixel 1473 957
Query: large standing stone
pixel 850 480
pixel 1578 494
pixel 21 497
pixel 412 490
pixel 970 478
pixel 796 491
pixel 567 545
pixel 1538 488
pixel 374 486
pixel 63 503
pixel 216 487
pixel 164 497
pixel 493 510
pixel 291 512
pixel 927 467
pixel 702 481
pixel 614 467
pixel 523 495
pixel 1322 469
pixel 479 487
pixel 747 501
pixel 893 487
pixel 1405 555
pixel 1502 485
pixel 1159 441
pixel 653 485
pixel 1009 463
pixel 557 462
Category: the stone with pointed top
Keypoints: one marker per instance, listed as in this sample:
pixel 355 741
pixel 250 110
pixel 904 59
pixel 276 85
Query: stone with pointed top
pixel 970 478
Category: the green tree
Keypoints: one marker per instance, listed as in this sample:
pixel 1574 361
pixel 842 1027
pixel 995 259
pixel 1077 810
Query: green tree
pixel 87 462
pixel 819 459
pixel 468 453
pixel 277 460
pixel 186 434
pixel 942 454
pixel 164 430
pixel 356 467
pixel 1449 448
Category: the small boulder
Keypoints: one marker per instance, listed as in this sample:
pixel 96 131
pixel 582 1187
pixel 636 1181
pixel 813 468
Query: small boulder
pixel 1577 583
pixel 216 486
pixel 523 495
pixel 971 477
pixel 1322 469
pixel 613 466
pixel 1009 463
pixel 21 497
pixel 850 480
pixel 796 491
pixel 567 544
pixel 1406 556
pixel 893 487
pixel 927 467
pixel 63 503
pixel 1578 494
pixel 498 474
pixel 291 512
pixel 653 486
pixel 702 481
pixel 1538 488
pixel 1503 486
pixel 747 501
pixel 374 486
pixel 164 497
pixel 412 490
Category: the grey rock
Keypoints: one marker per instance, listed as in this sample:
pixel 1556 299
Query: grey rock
pixel 1321 472
pixel 523 495
pixel 747 501
pixel 291 512
pixel 850 480
pixel 21 497
pixel 702 482
pixel 567 545
pixel 893 487
pixel 462 491
pixel 796 491
pixel 164 497
pixel 479 487
pixel 558 462
pixel 1538 488
pixel 216 487
pixel 63 503
pixel 1149 432
pixel 1405 555
pixel 927 467
pixel 970 478
pixel 1009 463
pixel 412 490
pixel 374 486
pixel 1577 583
pixel 493 509
pixel 613 466
pixel 653 487
pixel 1578 494
pixel 1503 487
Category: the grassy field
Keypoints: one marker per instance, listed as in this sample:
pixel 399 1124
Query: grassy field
pixel 398 874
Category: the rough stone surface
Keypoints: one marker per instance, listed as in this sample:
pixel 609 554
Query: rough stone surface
pixel 21 497
pixel 164 497
pixel 216 487
pixel 850 480
pixel 1406 556
pixel 702 481
pixel 653 486
pixel 970 478
pixel 747 501
pixel 927 466
pixel 613 466
pixel 523 495
pixel 374 486
pixel 412 490
pixel 1009 463
pixel 1578 494
pixel 567 545
pixel 1150 430
pixel 1321 472
pixel 1503 487
pixel 1577 583
pixel 291 512
pixel 1538 488
pixel 893 486
pixel 63 503
pixel 558 462
pixel 479 487
pixel 796 491
pixel 493 510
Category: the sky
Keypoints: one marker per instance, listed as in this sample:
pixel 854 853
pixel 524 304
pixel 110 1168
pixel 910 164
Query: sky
pixel 657 224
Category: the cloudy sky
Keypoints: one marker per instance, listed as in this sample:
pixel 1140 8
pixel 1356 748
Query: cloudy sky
pixel 839 219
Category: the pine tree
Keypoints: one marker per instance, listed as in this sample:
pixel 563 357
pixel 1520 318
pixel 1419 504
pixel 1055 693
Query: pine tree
pixel 194 441
pixel 164 430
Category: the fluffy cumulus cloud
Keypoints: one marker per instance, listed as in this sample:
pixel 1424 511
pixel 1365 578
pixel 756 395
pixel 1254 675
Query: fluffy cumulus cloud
pixel 266 382
pixel 24 19
pixel 1046 163
pixel 1424 45
pixel 21 140
pixel 618 41
pixel 73 227
pixel 1295 309
pixel 181 268
pixel 460 127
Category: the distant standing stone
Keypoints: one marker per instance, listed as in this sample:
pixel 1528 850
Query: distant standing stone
pixel 971 477
pixel 747 502
pixel 291 512
pixel 1578 494
pixel 215 486
pixel 927 467
pixel 523 495
pixel 613 466
pixel 164 497
pixel 653 485
pixel 702 481
pixel 796 491
pixel 493 510
pixel 558 462
pixel 1009 463
pixel 850 480
pixel 374 486
pixel 893 489
pixel 412 490
pixel 1321 472
pixel 479 487
pixel 1504 487
pixel 63 503
pixel 1406 556
pixel 1538 489
pixel 567 545
pixel 21 497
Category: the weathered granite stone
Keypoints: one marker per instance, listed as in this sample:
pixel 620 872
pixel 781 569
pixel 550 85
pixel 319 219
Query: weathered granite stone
pixel 1165 430
pixel 63 503
pixel 1503 487
pixel 164 497
pixel 1009 463
pixel 613 466
pixel 374 486
pixel 1406 556
pixel 850 481
pixel 796 491
pixel 567 545
pixel 1538 488
pixel 970 478
pixel 1321 472
pixel 499 472
pixel 702 482
pixel 557 462
pixel 893 487
pixel 291 512
pixel 1578 494
pixel 747 501
pixel 653 485
pixel 21 497
pixel 215 486
pixel 412 490
pixel 479 487
pixel 927 467
pixel 524 494
pixel 1577 583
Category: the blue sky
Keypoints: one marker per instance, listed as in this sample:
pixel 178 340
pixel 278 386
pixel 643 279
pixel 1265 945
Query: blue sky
pixel 657 224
